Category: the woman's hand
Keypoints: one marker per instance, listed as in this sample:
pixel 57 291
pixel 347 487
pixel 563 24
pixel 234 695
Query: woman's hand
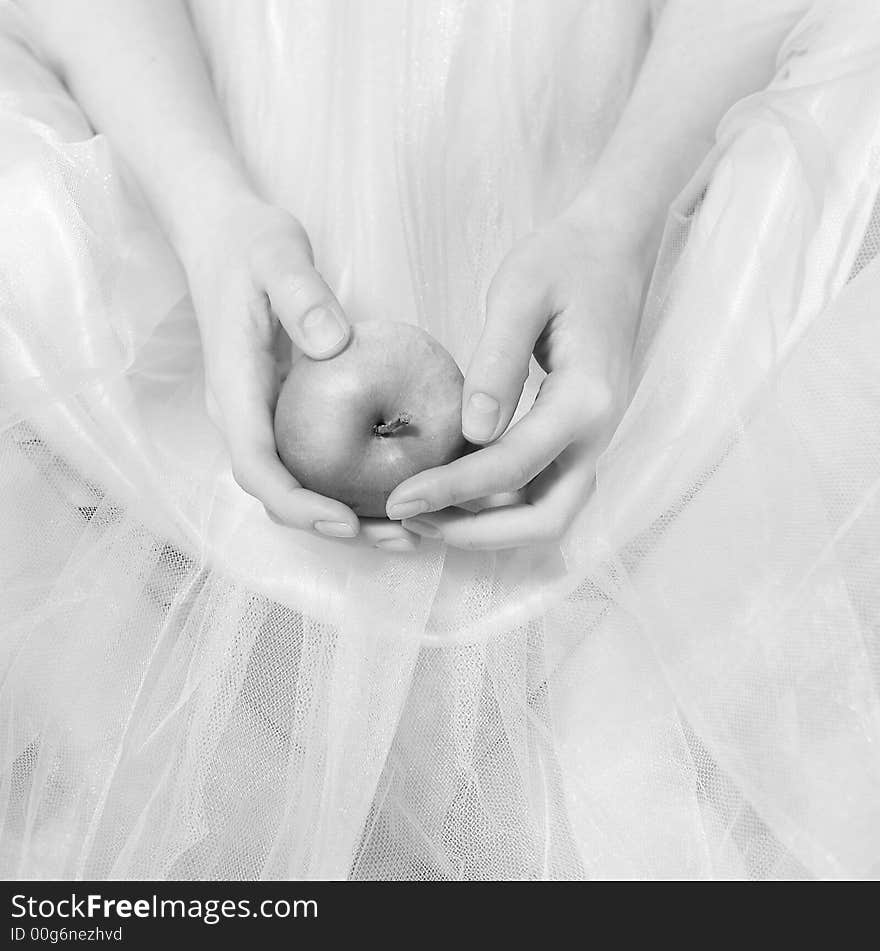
pixel 572 291
pixel 252 277
pixel 570 295
pixel 136 68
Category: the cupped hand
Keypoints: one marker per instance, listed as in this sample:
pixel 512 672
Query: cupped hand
pixel 252 277
pixel 571 297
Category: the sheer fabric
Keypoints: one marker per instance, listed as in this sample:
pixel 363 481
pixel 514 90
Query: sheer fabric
pixel 685 687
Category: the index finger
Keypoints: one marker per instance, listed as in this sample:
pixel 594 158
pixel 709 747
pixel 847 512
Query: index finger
pixel 562 411
pixel 246 403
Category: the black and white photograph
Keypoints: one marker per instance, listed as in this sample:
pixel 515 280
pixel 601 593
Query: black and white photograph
pixel 439 442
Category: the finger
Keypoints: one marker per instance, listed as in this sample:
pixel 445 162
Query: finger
pixel 245 405
pixel 516 313
pixel 542 520
pixel 374 533
pixel 565 407
pixel 261 474
pixel 388 536
pixel 304 304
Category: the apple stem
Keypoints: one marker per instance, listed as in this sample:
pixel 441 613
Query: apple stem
pixel 386 429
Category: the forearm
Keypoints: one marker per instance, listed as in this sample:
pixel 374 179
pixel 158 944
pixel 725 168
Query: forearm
pixel 704 57
pixel 136 70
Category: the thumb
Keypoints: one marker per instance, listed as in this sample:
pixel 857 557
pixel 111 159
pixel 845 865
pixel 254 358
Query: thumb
pixel 515 316
pixel 304 304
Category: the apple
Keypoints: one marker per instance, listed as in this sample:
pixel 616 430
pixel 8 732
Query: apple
pixel 355 426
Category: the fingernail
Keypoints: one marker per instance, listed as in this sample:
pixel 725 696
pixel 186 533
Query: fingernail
pixel 422 526
pixel 322 330
pixel 480 417
pixel 396 544
pixel 335 529
pixel 407 509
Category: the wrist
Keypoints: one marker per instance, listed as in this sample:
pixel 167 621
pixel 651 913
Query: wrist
pixel 629 224
pixel 203 197
pixel 629 196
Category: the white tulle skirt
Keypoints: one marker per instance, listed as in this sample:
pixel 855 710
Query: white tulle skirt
pixel 685 687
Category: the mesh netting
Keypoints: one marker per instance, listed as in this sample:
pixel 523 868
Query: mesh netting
pixel 686 687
